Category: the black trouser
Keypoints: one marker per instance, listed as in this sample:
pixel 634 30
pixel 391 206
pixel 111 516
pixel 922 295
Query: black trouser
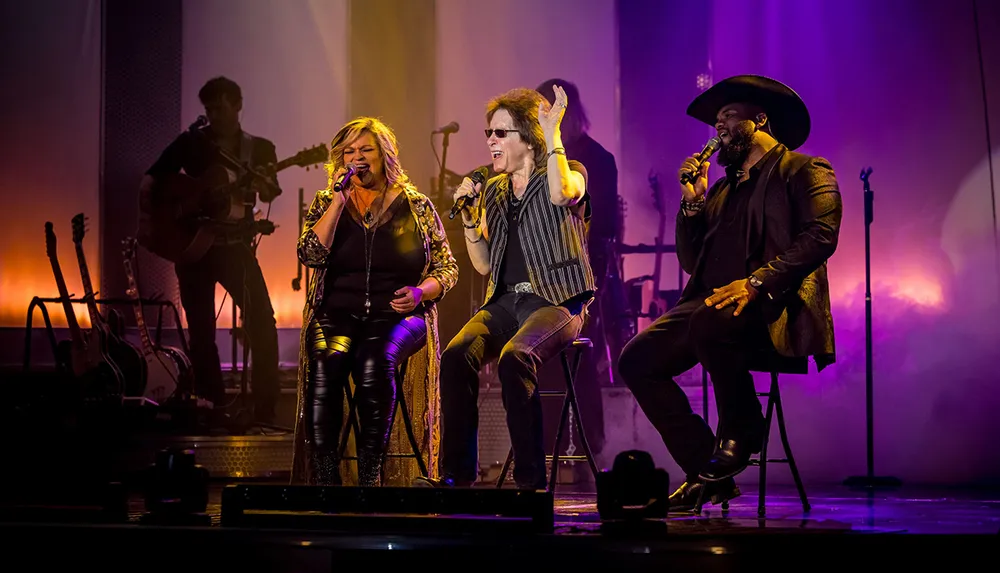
pixel 369 350
pixel 685 335
pixel 234 267
pixel 523 331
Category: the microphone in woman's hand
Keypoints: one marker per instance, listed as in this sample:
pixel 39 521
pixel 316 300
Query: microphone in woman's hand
pixel 340 183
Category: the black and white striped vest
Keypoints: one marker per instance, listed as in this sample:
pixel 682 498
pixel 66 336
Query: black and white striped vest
pixel 553 238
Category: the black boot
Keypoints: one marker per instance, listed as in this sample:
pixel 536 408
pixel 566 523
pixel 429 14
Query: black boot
pixel 695 491
pixel 369 469
pixel 326 469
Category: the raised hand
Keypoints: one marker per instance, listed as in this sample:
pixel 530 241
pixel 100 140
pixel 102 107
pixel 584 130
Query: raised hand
pixel 549 117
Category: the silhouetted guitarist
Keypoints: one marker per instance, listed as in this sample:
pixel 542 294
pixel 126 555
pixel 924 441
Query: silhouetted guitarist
pixel 207 153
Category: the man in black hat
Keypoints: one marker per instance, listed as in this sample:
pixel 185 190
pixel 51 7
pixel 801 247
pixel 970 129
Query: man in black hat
pixel 756 245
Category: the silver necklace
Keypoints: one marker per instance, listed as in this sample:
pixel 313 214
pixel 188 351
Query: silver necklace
pixel 368 220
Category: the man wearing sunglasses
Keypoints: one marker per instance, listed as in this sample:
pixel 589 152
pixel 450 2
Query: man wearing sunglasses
pixel 527 232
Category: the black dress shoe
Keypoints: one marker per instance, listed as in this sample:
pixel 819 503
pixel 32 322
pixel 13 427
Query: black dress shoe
pixel 729 459
pixel 687 496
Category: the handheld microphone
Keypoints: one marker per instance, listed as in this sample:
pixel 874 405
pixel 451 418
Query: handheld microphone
pixel 344 180
pixel 199 123
pixel 710 148
pixel 478 176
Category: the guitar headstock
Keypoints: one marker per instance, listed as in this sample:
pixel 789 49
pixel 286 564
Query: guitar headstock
pixel 79 227
pixel 310 157
pixel 50 240
pixel 865 174
pixel 654 186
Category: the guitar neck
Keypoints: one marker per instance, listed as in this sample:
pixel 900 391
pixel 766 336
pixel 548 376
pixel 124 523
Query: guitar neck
pixel 658 261
pixel 88 289
pixel 140 320
pixel 76 335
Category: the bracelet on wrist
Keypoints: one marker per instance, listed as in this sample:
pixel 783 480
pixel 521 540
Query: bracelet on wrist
pixel 692 206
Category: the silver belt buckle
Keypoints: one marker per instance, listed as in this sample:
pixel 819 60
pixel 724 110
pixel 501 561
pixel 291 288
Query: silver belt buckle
pixel 521 288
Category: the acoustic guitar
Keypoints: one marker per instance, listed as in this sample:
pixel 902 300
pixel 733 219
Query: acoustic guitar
pixel 167 368
pixel 188 213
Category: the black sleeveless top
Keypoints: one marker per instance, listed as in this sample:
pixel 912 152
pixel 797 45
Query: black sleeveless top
pixel 397 260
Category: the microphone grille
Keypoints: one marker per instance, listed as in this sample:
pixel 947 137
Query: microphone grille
pixel 479 175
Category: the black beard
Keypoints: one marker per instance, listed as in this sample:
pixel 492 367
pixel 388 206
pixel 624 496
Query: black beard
pixel 738 149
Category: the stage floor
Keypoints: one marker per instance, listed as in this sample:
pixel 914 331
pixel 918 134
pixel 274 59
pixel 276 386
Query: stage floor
pixel 844 527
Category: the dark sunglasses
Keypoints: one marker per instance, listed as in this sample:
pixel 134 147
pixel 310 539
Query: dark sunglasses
pixel 501 133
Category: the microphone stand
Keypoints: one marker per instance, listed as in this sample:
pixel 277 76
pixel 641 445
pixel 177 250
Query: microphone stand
pixel 870 480
pixel 444 162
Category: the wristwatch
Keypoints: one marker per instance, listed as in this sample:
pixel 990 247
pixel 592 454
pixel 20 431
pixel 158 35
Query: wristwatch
pixel 754 281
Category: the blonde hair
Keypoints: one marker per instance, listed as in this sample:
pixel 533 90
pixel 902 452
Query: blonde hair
pixel 385 139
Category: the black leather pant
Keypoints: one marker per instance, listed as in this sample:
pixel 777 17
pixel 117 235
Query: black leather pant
pixel 369 350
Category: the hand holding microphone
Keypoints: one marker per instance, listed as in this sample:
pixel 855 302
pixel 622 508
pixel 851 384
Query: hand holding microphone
pixel 693 173
pixel 342 178
pixel 342 184
pixel 468 191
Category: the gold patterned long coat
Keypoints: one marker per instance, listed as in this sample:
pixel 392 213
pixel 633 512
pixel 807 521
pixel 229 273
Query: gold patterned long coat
pixel 421 383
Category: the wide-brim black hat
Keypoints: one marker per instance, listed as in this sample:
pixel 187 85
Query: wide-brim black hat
pixel 786 112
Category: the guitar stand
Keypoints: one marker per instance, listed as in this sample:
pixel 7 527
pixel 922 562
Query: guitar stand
pixel 40 303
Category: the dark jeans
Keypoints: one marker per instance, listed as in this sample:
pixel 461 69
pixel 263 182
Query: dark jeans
pixel 685 335
pixel 234 267
pixel 522 331
pixel 369 350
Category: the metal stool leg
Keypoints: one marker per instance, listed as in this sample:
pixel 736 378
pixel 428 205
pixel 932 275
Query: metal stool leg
pixel 571 397
pixel 408 423
pixel 563 418
pixel 761 508
pixel 506 468
pixel 788 450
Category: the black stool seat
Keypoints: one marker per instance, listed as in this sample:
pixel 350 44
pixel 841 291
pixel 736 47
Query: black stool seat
pixel 577 347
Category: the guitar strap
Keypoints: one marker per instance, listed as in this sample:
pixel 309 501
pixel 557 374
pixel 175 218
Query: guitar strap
pixel 246 146
pixel 246 150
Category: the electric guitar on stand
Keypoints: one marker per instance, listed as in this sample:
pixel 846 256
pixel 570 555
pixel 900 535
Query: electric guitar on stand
pixel 88 361
pixel 167 368
pixel 188 213
pixel 125 357
pixel 657 303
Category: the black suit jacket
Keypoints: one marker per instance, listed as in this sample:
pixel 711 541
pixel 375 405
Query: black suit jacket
pixel 794 225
